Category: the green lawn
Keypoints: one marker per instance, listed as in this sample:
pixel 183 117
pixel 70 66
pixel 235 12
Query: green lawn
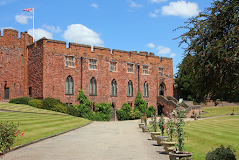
pixel 219 110
pixel 36 125
pixel 203 135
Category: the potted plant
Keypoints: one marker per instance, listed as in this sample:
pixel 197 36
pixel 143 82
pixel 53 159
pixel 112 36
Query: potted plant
pixel 152 119
pixel 145 128
pixel 162 138
pixel 170 130
pixel 141 123
pixel 180 152
pixel 233 111
pixel 154 128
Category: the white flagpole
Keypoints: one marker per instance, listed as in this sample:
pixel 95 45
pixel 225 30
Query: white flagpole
pixel 33 23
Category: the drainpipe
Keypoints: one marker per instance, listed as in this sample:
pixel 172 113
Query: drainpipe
pixel 81 60
pixel 138 78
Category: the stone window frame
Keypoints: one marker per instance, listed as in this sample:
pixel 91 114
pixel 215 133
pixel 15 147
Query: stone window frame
pixel 69 85
pixel 161 71
pixel 113 88
pixel 145 89
pixel 145 69
pixel 130 67
pixel 113 66
pixel 93 87
pixel 93 63
pixel 70 61
pixel 130 90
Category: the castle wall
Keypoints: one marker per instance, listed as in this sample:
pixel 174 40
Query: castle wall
pixel 14 59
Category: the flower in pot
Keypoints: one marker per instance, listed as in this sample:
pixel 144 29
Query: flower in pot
pixel 154 128
pixel 170 130
pixel 141 123
pixel 161 125
pixel 145 128
pixel 180 134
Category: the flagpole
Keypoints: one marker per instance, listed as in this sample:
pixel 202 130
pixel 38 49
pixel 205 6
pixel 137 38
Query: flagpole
pixel 33 23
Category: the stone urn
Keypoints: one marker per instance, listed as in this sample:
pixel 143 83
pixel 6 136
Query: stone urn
pixel 150 122
pixel 154 134
pixel 160 139
pixel 141 124
pixel 175 155
pixel 169 146
pixel 145 128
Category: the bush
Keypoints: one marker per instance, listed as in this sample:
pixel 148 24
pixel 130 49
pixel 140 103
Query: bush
pixel 124 112
pixel 59 107
pixel 221 153
pixel 35 103
pixel 20 100
pixel 49 103
pixel 150 110
pixel 135 114
pixel 139 103
pixel 71 110
pixel 8 134
pixel 103 113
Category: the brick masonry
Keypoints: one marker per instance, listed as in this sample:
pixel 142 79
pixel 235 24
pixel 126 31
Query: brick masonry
pixel 44 70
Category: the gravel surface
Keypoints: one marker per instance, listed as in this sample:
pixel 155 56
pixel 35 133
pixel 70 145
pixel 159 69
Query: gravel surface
pixel 99 140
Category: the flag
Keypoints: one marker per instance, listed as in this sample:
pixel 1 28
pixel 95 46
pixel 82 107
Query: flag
pixel 28 9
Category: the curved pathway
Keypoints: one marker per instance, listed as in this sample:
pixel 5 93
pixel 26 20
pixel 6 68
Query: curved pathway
pixel 98 140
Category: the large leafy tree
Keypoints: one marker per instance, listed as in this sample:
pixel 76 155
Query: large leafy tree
pixel 212 41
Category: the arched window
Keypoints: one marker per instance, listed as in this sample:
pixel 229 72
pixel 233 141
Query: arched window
pixel 69 85
pixel 145 90
pixel 130 89
pixel 113 88
pixel 161 90
pixel 92 86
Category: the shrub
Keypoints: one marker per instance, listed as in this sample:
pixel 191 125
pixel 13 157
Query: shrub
pixel 20 100
pixel 35 103
pixel 135 114
pixel 139 103
pixel 59 107
pixel 49 103
pixel 103 113
pixel 222 153
pixel 124 112
pixel 8 134
pixel 71 110
pixel 150 110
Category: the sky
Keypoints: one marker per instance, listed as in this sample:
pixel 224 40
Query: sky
pixel 130 25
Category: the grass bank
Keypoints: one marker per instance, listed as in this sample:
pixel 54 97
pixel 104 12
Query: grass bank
pixel 210 133
pixel 219 110
pixel 37 125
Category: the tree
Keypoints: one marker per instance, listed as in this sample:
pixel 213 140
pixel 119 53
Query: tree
pixel 139 103
pixel 212 41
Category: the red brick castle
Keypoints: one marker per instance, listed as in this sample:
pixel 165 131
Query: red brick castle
pixel 47 68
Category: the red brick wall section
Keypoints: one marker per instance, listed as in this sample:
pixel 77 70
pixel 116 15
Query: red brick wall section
pixel 11 70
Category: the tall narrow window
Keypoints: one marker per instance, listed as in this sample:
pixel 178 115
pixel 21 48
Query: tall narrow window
pixel 1 59
pixel 161 90
pixel 113 88
pixel 21 59
pixel 69 85
pixel 145 90
pixel 160 72
pixel 92 86
pixel 130 89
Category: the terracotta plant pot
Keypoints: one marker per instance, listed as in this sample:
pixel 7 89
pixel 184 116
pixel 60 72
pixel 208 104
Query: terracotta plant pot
pixel 154 134
pixel 140 125
pixel 145 128
pixel 180 155
pixel 161 139
pixel 169 146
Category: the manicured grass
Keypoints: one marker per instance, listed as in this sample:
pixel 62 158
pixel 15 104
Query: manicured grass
pixel 26 108
pixel 219 110
pixel 203 135
pixel 38 126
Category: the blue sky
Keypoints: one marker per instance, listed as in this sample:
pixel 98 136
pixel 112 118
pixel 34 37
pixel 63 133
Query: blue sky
pixel 130 25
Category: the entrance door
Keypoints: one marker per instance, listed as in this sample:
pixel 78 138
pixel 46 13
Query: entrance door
pixel 112 113
pixel 160 109
pixel 6 93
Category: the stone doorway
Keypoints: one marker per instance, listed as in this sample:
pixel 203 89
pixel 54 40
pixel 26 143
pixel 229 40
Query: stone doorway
pixel 112 112
pixel 160 109
pixel 6 92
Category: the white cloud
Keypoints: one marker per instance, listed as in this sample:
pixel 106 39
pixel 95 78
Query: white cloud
pixel 40 33
pixel 52 28
pixel 152 14
pixel 172 55
pixel 157 10
pixel 163 50
pixel 134 5
pixel 22 18
pixel 94 5
pixel 150 45
pixel 3 2
pixel 181 8
pixel 157 1
pixel 79 33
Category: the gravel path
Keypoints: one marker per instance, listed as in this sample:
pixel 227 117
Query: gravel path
pixel 99 140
